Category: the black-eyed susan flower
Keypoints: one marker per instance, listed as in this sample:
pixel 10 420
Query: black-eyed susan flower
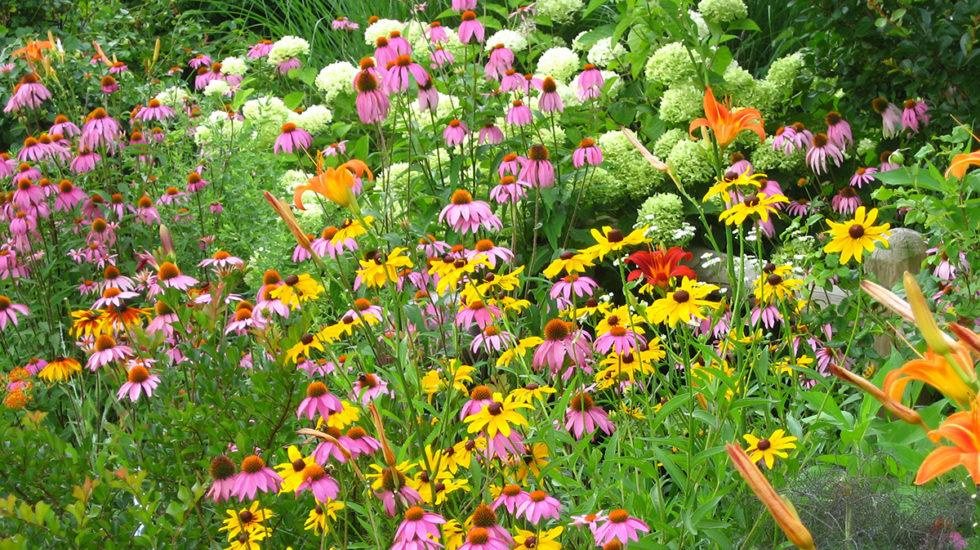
pixel 735 181
pixel 297 289
pixel 851 238
pixel 249 540
pixel 683 304
pixel 522 347
pixel 291 472
pixel 246 520
pixel 497 417
pixel 569 262
pixel 532 461
pixel 350 230
pixel 613 240
pixel 302 349
pixel 538 540
pixel 87 323
pixel 377 270
pixel 320 517
pixel 759 205
pixel 767 449
pixel 776 283
pixel 532 392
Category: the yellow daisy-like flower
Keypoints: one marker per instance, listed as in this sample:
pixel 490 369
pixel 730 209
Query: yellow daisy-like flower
pixel 378 474
pixel 522 347
pixel 292 472
pixel 590 308
pixel 375 273
pixel 530 392
pixel 621 317
pixel 492 284
pixel 434 488
pixel 535 458
pixel 776 284
pixel 246 520
pixel 345 326
pixel 297 289
pixel 347 416
pixel 450 273
pixel 569 262
pixel 768 449
pixel 744 179
pixel 114 319
pixel 60 369
pixel 508 303
pixel 850 239
pixel 497 417
pixel 620 368
pixel 302 348
pixel 351 229
pixel 540 540
pixel 637 412
pixel 249 540
pixel 612 240
pixel 453 535
pixel 432 383
pixel 87 323
pixel 317 520
pixel 683 304
pixel 754 205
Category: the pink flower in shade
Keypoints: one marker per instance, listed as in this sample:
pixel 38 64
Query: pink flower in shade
pixel 589 520
pixel 492 339
pixel 589 82
pixel 318 400
pixel 462 5
pixel 838 130
pixel 509 190
pixel 863 176
pixel 490 134
pixel 820 151
pixel 154 110
pixel 255 477
pixel 579 285
pixel 538 506
pixel 519 114
pixel 223 474
pixel 465 215
pixel 620 526
pixel 138 381
pixel 200 60
pixel 584 417
pixel 372 103
pixel 550 101
pixel 792 138
pixel 105 351
pixel 26 171
pixel 945 269
pixel 769 315
pixel 118 67
pixel 9 311
pixel 169 275
pixel 359 443
pixel 891 116
pixel 512 81
pixel 65 127
pixel 84 161
pixel 470 29
pixel 259 50
pixel 109 85
pixel 242 321
pixel 493 252
pixel 587 152
pixel 29 93
pixel 369 387
pixel 396 78
pixel 511 496
pixel 100 130
pixel 428 98
pixel 799 207
pixel 562 342
pixel 437 33
pixel 293 138
pixel 914 115
pixel 845 201
pixel 511 164
pixel 317 481
pixel 419 530
pixel 537 169
pixel 284 67
pixel 455 133
pixel 477 313
pixel 501 59
pixel 324 245
pixel 441 57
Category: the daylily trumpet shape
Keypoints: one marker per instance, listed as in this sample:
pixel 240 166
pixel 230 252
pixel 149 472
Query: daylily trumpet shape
pixel 336 184
pixel 781 509
pixel 726 125
pixel 962 162
pixel 936 371
pixel 963 431
pixel 893 406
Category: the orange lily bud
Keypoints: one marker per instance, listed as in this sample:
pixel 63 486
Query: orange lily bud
pixel 650 157
pixel 779 508
pixel 893 302
pixel 382 438
pixel 970 338
pixel 923 317
pixel 166 240
pixel 894 407
pixel 343 450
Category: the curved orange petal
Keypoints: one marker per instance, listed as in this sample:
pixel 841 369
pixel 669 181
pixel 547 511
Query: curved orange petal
pixel 698 123
pixel 937 463
pixel 962 162
pixel 358 168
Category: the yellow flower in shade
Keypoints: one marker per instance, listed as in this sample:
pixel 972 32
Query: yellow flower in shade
pixel 302 348
pixel 758 205
pixel 497 417
pixel 494 284
pixel 60 369
pixel 637 412
pixel 297 289
pixel 460 455
pixel 530 392
pixel 850 239
pixel 375 272
pixel 87 323
pixel 246 520
pixel 935 370
pixel 683 304
pixel 522 347
pixel 540 540
pixel 452 535
pixel 776 284
pixel 534 459
pixel 432 383
pixel 249 540
pixel 321 516
pixel 722 186
pixel 292 472
pixel 352 229
pixel 450 273
pixel 768 449
pixel 786 364
pixel 380 474
pixel 569 262
pixel 612 240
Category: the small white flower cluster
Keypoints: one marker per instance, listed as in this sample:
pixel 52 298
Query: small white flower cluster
pixel 287 48
pixel 709 259
pixel 218 127
pixel 173 96
pixel 233 65
pixel 511 40
pixel 558 11
pixel 314 119
pixel 335 78
pixel 216 87
pixel 604 52
pixel 266 109
pixel 381 27
pixel 559 63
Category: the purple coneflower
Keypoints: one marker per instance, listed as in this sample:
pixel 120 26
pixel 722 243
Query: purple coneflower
pixel 105 351
pixel 9 311
pixel 419 530
pixel 29 93
pixel 100 129
pixel 372 103
pixel 519 114
pixel 891 116
pixel 501 59
pixel 863 176
pixel 359 443
pixel 223 478
pixel 258 50
pixel 845 201
pixel 455 132
pixel 138 381
pixel 583 417
pixel 838 130
pixel 562 341
pixel 169 275
pixel 587 152
pixel 914 115
pixel 509 190
pixel 293 138
pixel 538 506
pixel 511 496
pixel 466 215
pixel 820 150
pixel 396 78
pixel 255 477
pixel 470 29
pixel 490 134
pixel 620 526
pixel 62 125
pixel 589 82
pixel 318 400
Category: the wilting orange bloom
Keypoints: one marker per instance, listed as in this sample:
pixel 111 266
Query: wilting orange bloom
pixel 893 406
pixel 34 50
pixel 963 431
pixel 726 125
pixel 936 371
pixel 334 183
pixel 968 337
pixel 781 509
pixel 287 216
pixel 962 162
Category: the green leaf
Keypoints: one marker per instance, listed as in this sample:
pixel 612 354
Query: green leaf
pixel 293 99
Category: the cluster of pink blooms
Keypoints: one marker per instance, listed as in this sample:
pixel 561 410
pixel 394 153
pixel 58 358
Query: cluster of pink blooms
pixel 820 147
pixel 912 117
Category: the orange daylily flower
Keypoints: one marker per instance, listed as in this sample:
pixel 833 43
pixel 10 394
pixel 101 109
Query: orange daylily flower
pixel 34 50
pixel 891 405
pixel 963 431
pixel 936 371
pixel 726 125
pixel 334 183
pixel 962 162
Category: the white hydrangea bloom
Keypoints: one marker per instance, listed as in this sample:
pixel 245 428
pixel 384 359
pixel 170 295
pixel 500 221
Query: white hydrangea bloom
pixel 512 40
pixel 288 47
pixel 267 109
pixel 173 96
pixel 723 11
pixel 604 52
pixel 314 119
pixel 233 65
pixel 559 63
pixel 670 64
pixel 335 78
pixel 216 87
pixel 381 27
pixel 559 11
pixel 700 23
pixel 577 43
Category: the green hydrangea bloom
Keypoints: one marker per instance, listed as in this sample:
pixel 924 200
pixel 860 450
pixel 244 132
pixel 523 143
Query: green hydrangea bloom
pixel 666 142
pixel 783 71
pixel 670 64
pixel 766 159
pixel 664 214
pixel 636 176
pixel 601 192
pixel 558 10
pixel 723 11
pixel 690 163
pixel 681 104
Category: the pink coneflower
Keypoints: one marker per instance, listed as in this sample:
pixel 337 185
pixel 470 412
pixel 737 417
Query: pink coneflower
pixel 492 252
pixel 222 261
pixel 462 5
pixel 200 60
pixel 172 195
pixel 538 506
pixel 318 400
pixel 138 381
pixel 891 116
pixel 530 82
pixel 317 481
pixel 537 169
pixel 490 134
pixel 511 81
pixel 8 166
pixel 428 97
pixel 863 176
pixel 441 57
pixel 100 129
pixel 27 195
pixel 205 76
pixel 587 152
pixel 419 530
pixel 563 342
pixel 293 138
pixel 511 497
pixel 576 284
pixel 584 417
pixel 501 59
pixel 65 127
pixel 887 164
pixel 470 29
pixel 509 190
pixel 169 275
pixel 799 207
pixel 511 164
pixel 838 130
pixel 258 50
pixel 372 103
pixel 113 297
pixel 492 338
pixel 792 138
pixel 466 215
pixel 550 101
pixel 845 201
pixel 396 78
pixel 195 182
pixel 146 212
pixel 108 85
pixel 26 171
pixel 914 115
pixel 28 93
pixel 359 443
pixel 589 82
pixel 369 387
pixel 284 67
pixel 384 54
pixel 101 231
pixel 477 312
pixel 394 491
pixel 398 44
pixel 32 150
pixel 620 526
pixel 437 33
pixel 455 132
pixel 335 149
pixel 255 477
pixel 223 474
pixel 821 150
pixel 84 161
pixel 343 24
pixel 769 315
pixel 105 351
pixel 9 311
pixel 164 319
pixel 154 110
pixel 328 449
pixel 619 339
pixel 589 520
pixel 118 67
